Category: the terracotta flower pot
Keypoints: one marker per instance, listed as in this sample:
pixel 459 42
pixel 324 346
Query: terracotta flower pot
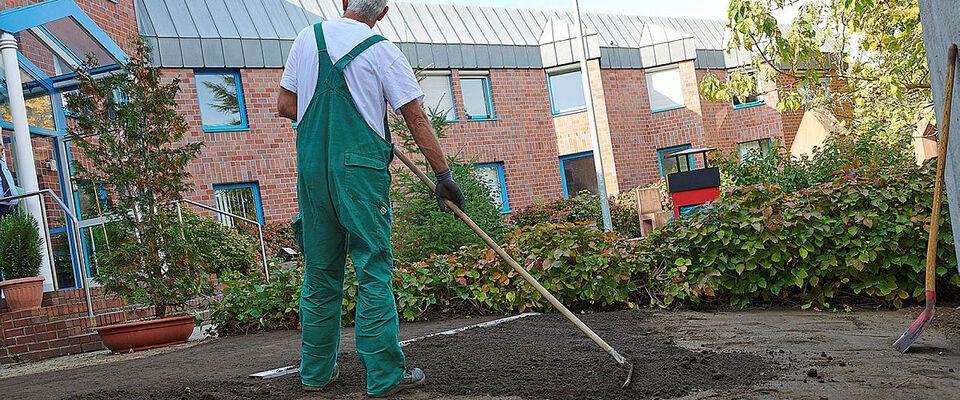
pixel 23 294
pixel 136 336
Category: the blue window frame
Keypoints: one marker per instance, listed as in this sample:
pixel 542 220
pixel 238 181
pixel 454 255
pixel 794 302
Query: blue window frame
pixel 241 199
pixel 565 90
pixel 477 99
pixel 670 165
pixel 220 95
pixel 752 100
pixel 491 174
pixel 578 173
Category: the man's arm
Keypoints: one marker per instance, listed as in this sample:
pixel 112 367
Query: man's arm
pixel 426 139
pixel 287 104
pixel 422 131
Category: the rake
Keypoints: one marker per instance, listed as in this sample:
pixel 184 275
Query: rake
pixel 926 316
pixel 523 272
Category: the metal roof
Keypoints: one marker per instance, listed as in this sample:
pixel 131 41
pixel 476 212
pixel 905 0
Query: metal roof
pixel 259 34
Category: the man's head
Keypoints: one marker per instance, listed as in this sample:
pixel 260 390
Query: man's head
pixel 367 11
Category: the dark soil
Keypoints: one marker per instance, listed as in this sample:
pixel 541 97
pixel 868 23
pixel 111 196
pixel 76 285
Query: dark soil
pixel 542 357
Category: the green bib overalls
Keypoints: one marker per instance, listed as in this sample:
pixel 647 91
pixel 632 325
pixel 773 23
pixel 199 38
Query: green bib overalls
pixel 343 185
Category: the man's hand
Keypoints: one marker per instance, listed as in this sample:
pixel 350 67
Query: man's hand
pixel 448 189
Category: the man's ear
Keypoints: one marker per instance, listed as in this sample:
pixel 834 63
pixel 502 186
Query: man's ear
pixel 383 14
pixel 344 5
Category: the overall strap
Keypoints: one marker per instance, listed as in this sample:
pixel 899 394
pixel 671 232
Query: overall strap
pixel 370 41
pixel 325 62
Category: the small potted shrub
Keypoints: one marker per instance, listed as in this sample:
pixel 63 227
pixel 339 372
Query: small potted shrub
pixel 20 258
pixel 130 136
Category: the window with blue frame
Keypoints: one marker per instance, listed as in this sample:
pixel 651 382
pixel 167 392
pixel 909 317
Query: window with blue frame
pixel 566 92
pixel 491 175
pixel 664 88
pixel 669 165
pixel 753 97
pixel 578 174
pixel 754 149
pixel 477 100
pixel 438 96
pixel 241 199
pixel 220 94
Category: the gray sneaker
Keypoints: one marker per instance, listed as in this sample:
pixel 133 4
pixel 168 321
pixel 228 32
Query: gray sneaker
pixel 411 378
pixel 336 374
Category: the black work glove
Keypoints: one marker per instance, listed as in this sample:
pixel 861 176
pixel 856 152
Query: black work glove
pixel 448 189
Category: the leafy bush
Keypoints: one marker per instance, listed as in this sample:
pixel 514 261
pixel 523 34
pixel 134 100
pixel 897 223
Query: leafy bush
pixel 275 236
pixel 585 268
pixel 584 208
pixel 252 304
pixel 221 248
pixel 420 229
pixel 20 246
pixel 863 234
pixel 840 153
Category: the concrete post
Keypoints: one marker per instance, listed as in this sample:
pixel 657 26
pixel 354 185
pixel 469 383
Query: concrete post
pixel 592 119
pixel 24 162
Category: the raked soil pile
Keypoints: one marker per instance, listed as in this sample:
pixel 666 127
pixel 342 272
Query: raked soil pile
pixel 540 357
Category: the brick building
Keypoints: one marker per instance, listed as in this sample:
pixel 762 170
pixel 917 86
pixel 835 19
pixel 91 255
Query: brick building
pixel 507 80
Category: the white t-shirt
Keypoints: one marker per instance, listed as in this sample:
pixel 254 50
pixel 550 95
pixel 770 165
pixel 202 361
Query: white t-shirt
pixel 379 75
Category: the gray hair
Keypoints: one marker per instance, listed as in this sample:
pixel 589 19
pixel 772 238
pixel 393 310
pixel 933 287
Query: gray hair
pixel 368 9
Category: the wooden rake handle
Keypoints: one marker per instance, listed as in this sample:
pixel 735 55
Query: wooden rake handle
pixel 513 263
pixel 931 273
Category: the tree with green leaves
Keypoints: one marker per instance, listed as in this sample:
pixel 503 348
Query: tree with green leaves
pixel 131 138
pixel 867 55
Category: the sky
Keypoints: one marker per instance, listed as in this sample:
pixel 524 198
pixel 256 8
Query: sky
pixel 712 9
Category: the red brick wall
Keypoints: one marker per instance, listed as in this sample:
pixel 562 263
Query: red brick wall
pixel 638 133
pixel 725 127
pixel 265 154
pixel 522 136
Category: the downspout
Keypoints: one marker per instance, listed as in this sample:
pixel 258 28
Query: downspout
pixel 24 162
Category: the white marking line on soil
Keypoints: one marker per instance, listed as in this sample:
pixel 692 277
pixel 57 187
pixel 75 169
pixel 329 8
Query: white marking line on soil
pixel 293 369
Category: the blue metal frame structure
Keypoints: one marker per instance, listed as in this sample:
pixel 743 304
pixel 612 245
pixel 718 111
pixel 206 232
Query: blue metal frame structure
pixel 491 115
pixel 553 109
pixel 244 125
pixel 661 151
pixel 18 19
pixel 505 209
pixel 256 194
pixel 563 178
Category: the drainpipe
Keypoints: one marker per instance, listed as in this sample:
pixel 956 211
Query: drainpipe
pixel 24 162
pixel 592 119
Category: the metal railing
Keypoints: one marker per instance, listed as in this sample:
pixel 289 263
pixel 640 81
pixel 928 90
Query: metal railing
pixel 75 250
pixel 263 250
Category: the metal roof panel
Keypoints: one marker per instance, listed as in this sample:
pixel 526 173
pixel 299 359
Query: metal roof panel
pixel 160 18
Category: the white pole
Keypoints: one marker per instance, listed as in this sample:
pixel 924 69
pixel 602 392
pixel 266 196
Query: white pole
pixel 22 146
pixel 592 119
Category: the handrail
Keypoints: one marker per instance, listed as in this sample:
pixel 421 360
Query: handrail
pixel 263 250
pixel 74 245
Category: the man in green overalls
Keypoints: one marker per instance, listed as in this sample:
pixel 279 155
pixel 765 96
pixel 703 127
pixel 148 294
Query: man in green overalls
pixel 338 79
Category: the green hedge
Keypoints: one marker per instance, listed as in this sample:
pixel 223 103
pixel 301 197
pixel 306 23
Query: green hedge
pixel 864 234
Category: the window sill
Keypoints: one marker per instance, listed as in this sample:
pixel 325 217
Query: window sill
pixel 481 119
pixel 569 112
pixel 748 105
pixel 667 109
pixel 226 128
pixel 507 211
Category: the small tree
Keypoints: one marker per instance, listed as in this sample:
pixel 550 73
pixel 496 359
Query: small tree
pixel 20 246
pixel 420 228
pixel 129 132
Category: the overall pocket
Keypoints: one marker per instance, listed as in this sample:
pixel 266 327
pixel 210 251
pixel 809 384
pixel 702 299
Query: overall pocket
pixel 367 176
